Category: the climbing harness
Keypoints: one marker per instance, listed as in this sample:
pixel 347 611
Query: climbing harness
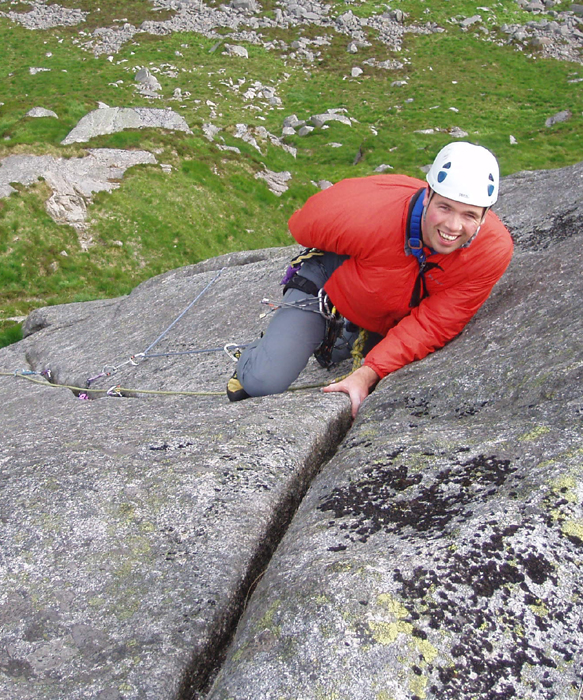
pixel 325 307
pixel 415 246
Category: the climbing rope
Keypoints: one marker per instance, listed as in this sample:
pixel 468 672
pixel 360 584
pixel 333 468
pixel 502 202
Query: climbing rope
pixel 117 390
pixel 134 360
pixel 317 305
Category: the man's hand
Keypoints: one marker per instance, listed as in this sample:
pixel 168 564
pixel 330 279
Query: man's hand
pixel 357 386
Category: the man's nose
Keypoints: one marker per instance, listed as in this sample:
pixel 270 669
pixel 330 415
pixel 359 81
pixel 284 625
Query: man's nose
pixel 454 222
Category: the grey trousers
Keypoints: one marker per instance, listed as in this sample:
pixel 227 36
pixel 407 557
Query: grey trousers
pixel 271 363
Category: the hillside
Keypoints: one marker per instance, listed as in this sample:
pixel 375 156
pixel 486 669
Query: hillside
pixel 243 145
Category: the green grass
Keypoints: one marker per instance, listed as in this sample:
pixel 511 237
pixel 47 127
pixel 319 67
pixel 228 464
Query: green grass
pixel 211 202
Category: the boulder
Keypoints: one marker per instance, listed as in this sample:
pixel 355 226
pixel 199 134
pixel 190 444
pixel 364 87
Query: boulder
pixel 113 119
pixel 41 112
pixel 558 118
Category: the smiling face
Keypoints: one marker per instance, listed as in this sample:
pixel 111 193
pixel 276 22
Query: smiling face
pixel 448 225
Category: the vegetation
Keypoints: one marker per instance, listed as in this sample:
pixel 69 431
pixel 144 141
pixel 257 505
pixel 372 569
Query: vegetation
pixel 211 202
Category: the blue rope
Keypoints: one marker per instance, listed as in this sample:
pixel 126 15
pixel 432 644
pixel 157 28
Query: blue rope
pixel 159 338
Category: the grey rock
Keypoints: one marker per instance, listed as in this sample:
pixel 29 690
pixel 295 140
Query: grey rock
pixel 247 5
pixel 577 9
pixel 73 181
pixel 535 220
pixel 383 168
pixel 446 532
pixel 41 112
pixel 210 131
pixel 457 133
pixel 559 117
pixel 147 80
pixel 305 130
pixel 535 6
pixel 277 182
pixel 114 119
pixel 356 72
pixel 324 184
pixel 43 16
pixel 469 21
pixel 318 120
pixel 133 527
pixel 293 121
pixel 239 51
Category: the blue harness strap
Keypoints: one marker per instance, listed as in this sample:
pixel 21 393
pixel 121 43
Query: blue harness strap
pixel 414 240
pixel 415 245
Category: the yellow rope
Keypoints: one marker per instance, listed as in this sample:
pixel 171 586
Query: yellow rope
pixel 357 356
pixel 83 390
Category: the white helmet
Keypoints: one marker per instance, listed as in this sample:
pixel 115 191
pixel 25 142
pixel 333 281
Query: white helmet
pixel 466 173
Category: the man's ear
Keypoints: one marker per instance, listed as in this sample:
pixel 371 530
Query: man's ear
pixel 427 196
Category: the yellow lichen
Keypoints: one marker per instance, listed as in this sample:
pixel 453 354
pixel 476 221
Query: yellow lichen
pixel 573 528
pixel 426 649
pixel 417 686
pixel 534 433
pixel 566 486
pixel 386 601
pixel 539 608
pixel 387 632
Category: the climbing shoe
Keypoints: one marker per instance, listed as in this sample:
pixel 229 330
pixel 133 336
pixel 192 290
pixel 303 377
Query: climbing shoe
pixel 235 391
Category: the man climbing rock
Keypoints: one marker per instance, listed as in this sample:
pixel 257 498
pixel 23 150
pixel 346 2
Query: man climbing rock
pixel 409 262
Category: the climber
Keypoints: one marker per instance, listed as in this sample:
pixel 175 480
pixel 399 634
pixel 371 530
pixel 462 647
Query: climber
pixel 409 262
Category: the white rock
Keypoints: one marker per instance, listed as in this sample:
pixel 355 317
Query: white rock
pixel 41 112
pixel 240 51
pixel 318 120
pixel 457 133
pixel 356 72
pixel 382 168
pixel 513 141
pixel 277 182
pixel 113 119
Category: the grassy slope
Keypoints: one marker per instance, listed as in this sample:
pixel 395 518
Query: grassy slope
pixel 211 203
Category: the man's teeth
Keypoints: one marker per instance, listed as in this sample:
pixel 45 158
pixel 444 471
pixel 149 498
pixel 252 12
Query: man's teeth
pixel 447 238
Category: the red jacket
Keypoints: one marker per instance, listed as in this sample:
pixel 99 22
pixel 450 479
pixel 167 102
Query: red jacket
pixel 366 219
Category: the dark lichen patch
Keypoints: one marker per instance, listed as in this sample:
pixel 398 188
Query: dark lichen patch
pixel 490 588
pixel 392 499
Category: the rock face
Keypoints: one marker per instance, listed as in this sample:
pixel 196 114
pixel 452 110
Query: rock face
pixel 438 554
